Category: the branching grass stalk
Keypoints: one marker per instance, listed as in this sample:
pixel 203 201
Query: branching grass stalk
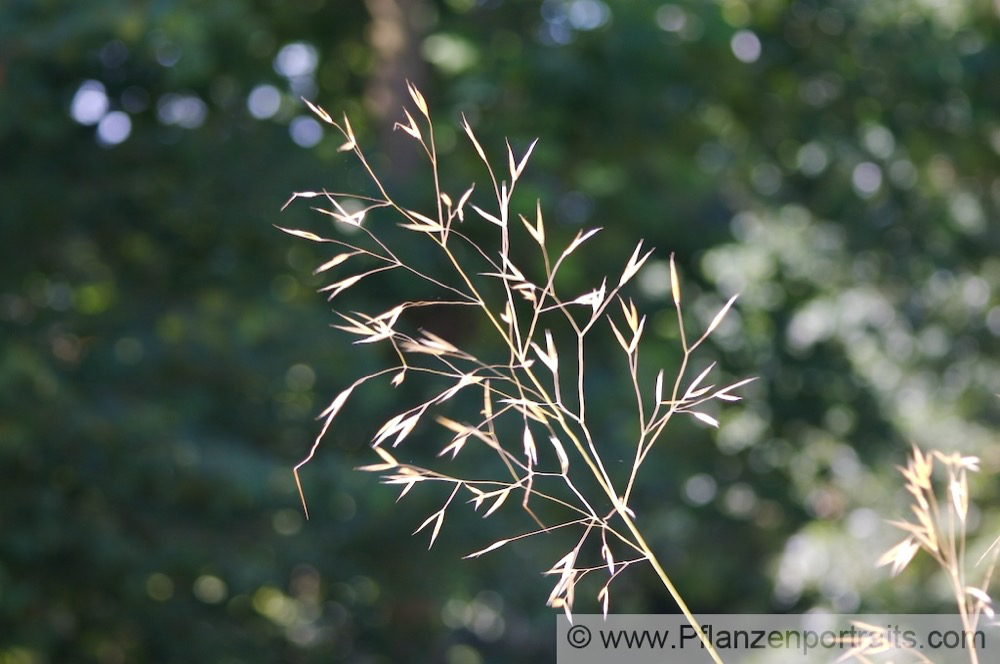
pixel 521 391
pixel 940 528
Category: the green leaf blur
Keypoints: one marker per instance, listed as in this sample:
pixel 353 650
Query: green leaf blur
pixel 163 352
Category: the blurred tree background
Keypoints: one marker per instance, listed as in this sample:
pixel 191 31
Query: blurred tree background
pixel 164 351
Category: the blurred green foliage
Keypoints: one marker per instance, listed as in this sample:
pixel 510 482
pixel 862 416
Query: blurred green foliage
pixel 163 350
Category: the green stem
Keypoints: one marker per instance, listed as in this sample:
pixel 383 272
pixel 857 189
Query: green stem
pixel 667 583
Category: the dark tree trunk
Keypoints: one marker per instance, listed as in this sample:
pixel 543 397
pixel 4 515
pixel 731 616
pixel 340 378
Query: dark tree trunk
pixel 395 34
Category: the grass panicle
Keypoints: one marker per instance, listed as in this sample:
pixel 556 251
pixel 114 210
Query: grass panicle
pixel 535 386
pixel 938 485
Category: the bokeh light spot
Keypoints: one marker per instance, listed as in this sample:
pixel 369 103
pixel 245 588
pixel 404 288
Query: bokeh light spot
pixel 90 103
pixel 114 128
pixel 588 14
pixel 746 46
pixel 264 101
pixel 300 377
pixel 296 59
pixel 866 179
pixel 654 279
pixel 287 522
pixel 812 159
pixel 671 18
pixel 449 53
pixel 210 589
pixel 160 587
pixel 183 110
pixel 879 141
pixel 699 489
pixel 305 131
